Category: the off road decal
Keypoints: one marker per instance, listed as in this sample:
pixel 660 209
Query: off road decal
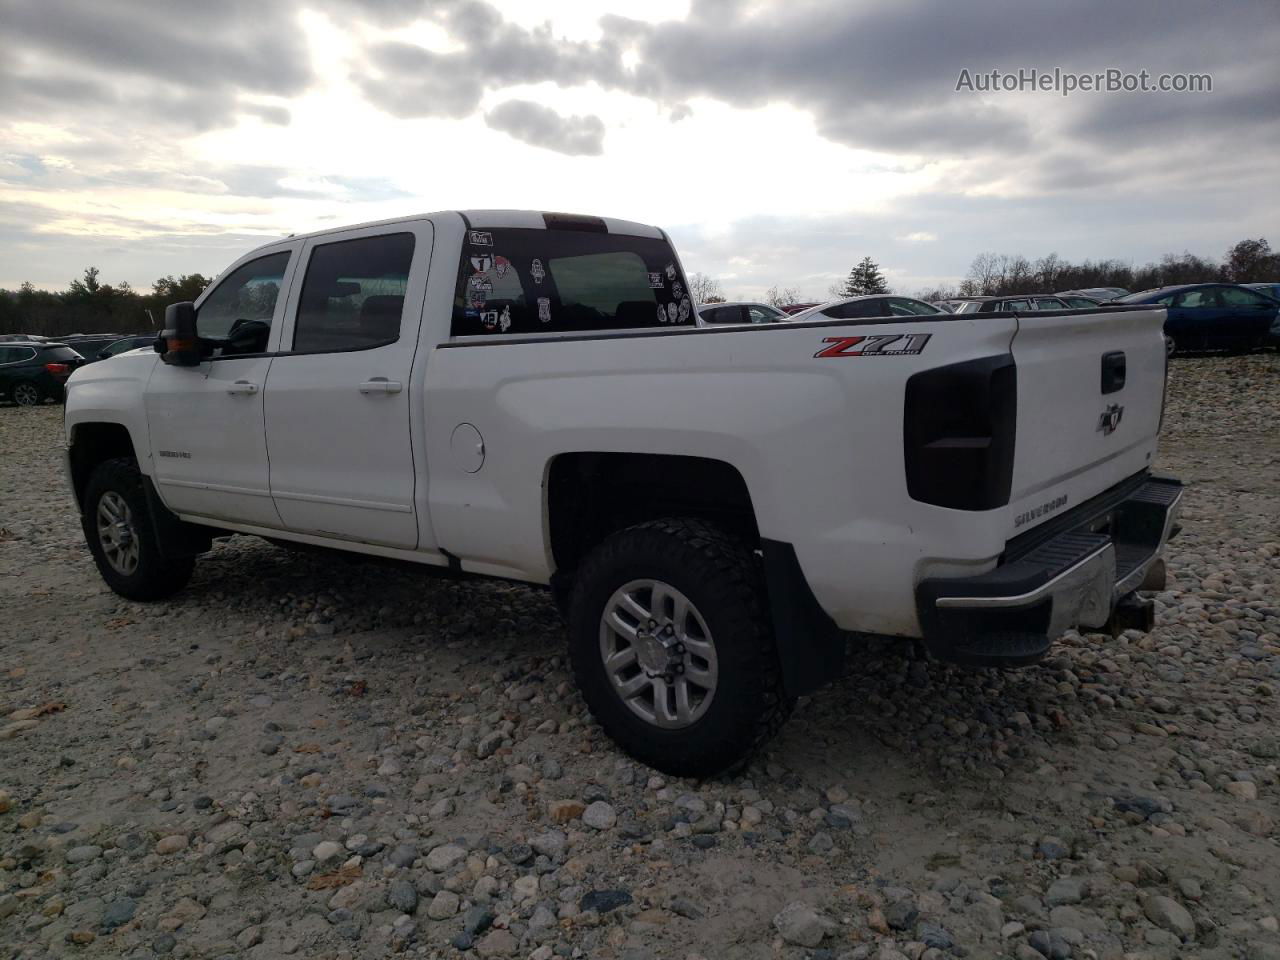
pixel 875 345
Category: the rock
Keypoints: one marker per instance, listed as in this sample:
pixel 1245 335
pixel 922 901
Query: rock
pixel 599 815
pixel 443 905
pixel 602 901
pixel 562 811
pixel 445 857
pixel 171 844
pixel 1169 914
pixel 551 844
pixel 477 920
pixel 799 923
pixel 1067 890
pixel 901 914
pixel 83 854
pixel 932 935
pixel 402 896
pixel 326 850
pixel 498 943
pixel 118 913
pixel 488 745
pixel 403 856
pixel 1243 789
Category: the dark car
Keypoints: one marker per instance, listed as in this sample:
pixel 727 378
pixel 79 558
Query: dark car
pixel 90 345
pixel 125 344
pixel 1212 316
pixel 1097 294
pixel 33 372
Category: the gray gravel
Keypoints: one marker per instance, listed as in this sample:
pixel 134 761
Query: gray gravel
pixel 308 756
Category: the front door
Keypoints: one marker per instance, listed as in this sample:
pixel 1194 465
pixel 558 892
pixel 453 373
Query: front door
pixel 339 397
pixel 208 440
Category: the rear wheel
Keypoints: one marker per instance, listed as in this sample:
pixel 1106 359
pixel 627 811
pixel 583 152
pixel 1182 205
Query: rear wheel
pixel 118 528
pixel 673 648
pixel 1170 346
pixel 27 394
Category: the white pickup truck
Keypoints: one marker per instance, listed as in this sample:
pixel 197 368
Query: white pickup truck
pixel 717 510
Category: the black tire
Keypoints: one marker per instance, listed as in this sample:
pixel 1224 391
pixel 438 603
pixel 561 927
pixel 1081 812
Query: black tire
pixel 155 577
pixel 723 579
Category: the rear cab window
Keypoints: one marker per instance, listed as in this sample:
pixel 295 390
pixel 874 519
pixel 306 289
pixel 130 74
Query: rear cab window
pixel 519 281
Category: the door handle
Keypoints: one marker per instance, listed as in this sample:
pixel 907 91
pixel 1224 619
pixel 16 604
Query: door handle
pixel 381 385
pixel 242 386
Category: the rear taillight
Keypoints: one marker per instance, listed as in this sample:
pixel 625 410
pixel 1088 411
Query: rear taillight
pixel 58 369
pixel 959 426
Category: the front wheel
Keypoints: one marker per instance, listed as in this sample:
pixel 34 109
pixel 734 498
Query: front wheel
pixel 118 528
pixel 673 649
pixel 27 395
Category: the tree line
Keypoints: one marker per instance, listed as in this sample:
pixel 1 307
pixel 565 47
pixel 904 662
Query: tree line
pixel 998 275
pixel 90 306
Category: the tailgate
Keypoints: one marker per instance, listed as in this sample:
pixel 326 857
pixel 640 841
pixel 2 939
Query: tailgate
pixel 1078 431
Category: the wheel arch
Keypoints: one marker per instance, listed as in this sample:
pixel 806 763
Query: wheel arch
pixel 91 443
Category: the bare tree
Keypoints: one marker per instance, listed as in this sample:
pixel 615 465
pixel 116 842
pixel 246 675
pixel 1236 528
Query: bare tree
pixel 705 289
pixel 776 297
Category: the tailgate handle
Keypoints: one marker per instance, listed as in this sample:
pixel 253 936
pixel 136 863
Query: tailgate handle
pixel 1112 371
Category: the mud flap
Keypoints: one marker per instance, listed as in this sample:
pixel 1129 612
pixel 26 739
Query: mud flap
pixel 811 648
pixel 175 538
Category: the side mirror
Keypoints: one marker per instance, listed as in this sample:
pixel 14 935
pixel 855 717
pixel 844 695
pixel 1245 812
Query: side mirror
pixel 179 344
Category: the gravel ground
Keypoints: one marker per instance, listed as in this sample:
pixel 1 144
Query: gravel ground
pixel 309 756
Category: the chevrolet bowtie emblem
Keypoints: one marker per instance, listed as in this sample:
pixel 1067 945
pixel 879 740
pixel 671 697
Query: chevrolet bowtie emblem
pixel 1111 418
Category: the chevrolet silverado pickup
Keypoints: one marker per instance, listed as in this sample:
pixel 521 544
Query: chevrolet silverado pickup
pixel 720 512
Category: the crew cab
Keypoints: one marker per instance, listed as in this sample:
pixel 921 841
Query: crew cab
pixel 717 511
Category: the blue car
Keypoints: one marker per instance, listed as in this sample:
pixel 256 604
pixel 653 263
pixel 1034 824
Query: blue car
pixel 1212 316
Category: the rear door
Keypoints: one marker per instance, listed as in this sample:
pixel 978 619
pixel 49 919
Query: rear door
pixel 1090 391
pixel 339 397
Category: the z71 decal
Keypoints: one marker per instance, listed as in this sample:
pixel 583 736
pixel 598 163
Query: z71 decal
pixel 875 345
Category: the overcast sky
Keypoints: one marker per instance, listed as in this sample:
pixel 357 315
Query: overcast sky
pixel 778 142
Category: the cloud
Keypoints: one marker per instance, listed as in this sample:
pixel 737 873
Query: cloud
pixel 543 127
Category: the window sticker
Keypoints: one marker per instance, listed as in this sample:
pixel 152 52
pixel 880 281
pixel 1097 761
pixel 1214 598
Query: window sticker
pixel 656 282
pixel 482 263
pixel 536 271
pixel 480 238
pixel 504 321
pixel 662 314
pixel 685 308
pixel 479 290
pixel 500 266
pixel 677 290
pixel 489 320
pixel 672 311
pixel 544 309
pixel 671 271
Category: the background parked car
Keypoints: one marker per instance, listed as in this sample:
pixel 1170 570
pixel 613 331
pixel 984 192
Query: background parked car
pixel 1208 316
pixel 794 308
pixel 89 345
pixel 1272 290
pixel 866 307
pixel 741 311
pixel 1025 302
pixel 1100 294
pixel 125 344
pixel 35 371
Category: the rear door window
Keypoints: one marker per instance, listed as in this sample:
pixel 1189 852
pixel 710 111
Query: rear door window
pixel 856 310
pixel 61 354
pixel 527 281
pixel 353 294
